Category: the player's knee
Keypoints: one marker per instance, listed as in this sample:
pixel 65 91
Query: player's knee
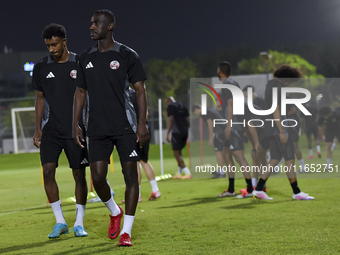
pixel 98 180
pixel 130 177
pixel 79 175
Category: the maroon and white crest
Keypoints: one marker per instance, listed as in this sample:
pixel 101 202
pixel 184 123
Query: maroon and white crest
pixel 73 74
pixel 114 65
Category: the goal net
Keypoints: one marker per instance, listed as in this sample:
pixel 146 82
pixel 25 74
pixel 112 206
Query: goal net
pixel 23 126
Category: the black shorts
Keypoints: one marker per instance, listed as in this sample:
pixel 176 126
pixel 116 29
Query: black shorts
pixel 101 147
pixel 178 141
pixel 330 135
pixel 279 150
pixel 265 142
pixel 144 153
pixel 312 130
pixel 219 141
pixel 295 135
pixel 51 147
pixel 235 143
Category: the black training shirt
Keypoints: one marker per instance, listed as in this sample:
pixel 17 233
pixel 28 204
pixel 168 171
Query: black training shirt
pixel 58 83
pixel 310 120
pixel 332 123
pixel 225 95
pixel 214 114
pixel 180 113
pixel 107 76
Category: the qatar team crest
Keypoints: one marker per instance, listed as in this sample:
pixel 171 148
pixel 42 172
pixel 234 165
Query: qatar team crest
pixel 114 65
pixel 73 74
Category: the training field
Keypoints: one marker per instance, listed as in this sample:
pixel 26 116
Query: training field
pixel 187 219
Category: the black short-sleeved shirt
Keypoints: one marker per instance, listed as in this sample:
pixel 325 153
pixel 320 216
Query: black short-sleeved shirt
pixel 107 76
pixel 180 113
pixel 332 123
pixel 58 83
pixel 259 102
pixel 214 114
pixel 310 120
pixel 133 99
pixel 225 95
pixel 275 83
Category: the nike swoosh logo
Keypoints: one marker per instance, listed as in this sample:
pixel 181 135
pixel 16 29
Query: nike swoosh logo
pixel 114 233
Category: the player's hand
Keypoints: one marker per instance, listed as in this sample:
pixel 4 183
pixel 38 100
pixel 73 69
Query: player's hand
pixel 211 140
pixel 227 132
pixel 143 136
pixel 168 138
pixel 283 138
pixel 258 147
pixel 37 138
pixel 77 135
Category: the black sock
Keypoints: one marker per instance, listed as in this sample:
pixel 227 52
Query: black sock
pixel 260 185
pixel 231 187
pixel 249 186
pixel 295 187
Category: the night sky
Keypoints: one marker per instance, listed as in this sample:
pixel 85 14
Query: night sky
pixel 176 28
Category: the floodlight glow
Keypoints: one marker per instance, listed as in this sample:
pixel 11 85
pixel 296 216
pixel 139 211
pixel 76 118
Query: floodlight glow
pixel 28 67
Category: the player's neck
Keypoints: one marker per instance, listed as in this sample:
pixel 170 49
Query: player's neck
pixel 64 57
pixel 105 44
pixel 224 78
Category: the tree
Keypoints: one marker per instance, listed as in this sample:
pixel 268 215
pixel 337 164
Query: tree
pixel 257 65
pixel 169 78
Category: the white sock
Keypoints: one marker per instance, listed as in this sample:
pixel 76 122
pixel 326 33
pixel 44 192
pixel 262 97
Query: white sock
pixel 139 191
pixel 154 185
pixel 268 156
pixel 58 212
pixel 302 163
pixel 310 152
pixel 127 226
pixel 111 190
pixel 179 170
pixel 112 206
pixel 329 161
pixel 254 181
pixel 80 212
pixel 318 148
pixel 333 146
pixel 186 170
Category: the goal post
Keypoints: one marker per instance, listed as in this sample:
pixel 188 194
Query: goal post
pixel 23 126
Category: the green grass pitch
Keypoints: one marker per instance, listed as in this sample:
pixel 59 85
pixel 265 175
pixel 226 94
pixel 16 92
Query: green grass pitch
pixel 187 219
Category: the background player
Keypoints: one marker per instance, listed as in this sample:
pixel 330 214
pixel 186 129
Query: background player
pixel 311 128
pixel 292 114
pixel 53 79
pixel 329 124
pixel 178 126
pixel 280 139
pixel 144 156
pixel 216 135
pixel 234 145
pixel 105 73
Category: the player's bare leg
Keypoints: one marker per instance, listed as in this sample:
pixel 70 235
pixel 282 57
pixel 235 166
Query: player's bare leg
pixel 81 197
pixel 81 185
pixel 230 192
pixel 99 172
pixel 298 155
pixel 329 153
pixel 181 164
pixel 50 184
pixel 150 174
pixel 131 194
pixel 239 157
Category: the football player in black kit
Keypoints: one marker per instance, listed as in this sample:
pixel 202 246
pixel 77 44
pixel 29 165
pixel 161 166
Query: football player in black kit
pixel 105 72
pixel 54 79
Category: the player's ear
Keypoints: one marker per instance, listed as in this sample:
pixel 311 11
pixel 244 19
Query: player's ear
pixel 64 41
pixel 111 26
